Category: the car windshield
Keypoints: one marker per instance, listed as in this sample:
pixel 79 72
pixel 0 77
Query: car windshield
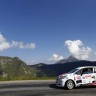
pixel 72 71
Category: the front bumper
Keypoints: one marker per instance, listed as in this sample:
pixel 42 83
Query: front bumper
pixel 60 82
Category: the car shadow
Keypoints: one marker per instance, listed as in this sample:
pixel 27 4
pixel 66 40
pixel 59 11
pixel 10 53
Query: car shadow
pixel 54 86
pixel 80 87
pixel 85 87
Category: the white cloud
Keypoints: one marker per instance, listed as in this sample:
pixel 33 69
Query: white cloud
pixel 22 45
pixel 30 46
pixel 2 39
pixel 93 56
pixel 95 53
pixel 55 58
pixel 4 44
pixel 77 49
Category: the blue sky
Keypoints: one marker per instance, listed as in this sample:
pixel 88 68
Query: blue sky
pixel 56 28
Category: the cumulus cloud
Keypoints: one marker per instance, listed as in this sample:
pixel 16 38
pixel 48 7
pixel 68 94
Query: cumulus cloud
pixel 95 53
pixel 56 57
pixel 22 45
pixel 77 49
pixel 4 44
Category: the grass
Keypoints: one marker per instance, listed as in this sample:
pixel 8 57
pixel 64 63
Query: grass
pixel 26 78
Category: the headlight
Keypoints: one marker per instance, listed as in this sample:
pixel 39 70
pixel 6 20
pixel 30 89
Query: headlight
pixel 63 77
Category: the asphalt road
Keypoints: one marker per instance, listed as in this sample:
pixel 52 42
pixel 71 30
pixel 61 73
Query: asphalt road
pixel 42 88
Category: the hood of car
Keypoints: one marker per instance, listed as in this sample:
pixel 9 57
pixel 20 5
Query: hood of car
pixel 65 74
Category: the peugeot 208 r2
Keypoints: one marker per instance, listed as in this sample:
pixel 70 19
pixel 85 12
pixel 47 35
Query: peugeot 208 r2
pixel 79 76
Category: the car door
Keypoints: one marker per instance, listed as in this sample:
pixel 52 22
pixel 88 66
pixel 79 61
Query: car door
pixel 77 77
pixel 87 76
pixel 94 75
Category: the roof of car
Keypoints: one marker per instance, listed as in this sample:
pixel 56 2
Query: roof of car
pixel 86 67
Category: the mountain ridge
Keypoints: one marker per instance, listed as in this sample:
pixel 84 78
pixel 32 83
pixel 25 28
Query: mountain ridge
pixel 14 68
pixel 53 70
pixel 70 59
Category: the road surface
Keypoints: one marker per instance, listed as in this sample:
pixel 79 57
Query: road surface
pixel 41 88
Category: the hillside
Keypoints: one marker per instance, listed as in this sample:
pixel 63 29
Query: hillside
pixel 14 68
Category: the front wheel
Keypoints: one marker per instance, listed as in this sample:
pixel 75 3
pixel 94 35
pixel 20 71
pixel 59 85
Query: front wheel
pixel 69 84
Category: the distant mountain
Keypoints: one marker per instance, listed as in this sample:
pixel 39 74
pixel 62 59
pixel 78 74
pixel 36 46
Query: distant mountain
pixel 70 59
pixel 38 65
pixel 14 68
pixel 54 70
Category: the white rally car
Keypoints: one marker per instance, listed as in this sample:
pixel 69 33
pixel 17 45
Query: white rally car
pixel 79 76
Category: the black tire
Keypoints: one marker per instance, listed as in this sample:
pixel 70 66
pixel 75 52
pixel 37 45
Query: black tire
pixel 70 84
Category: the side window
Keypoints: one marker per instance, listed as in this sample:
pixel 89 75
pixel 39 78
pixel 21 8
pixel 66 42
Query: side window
pixel 94 70
pixel 87 71
pixel 78 72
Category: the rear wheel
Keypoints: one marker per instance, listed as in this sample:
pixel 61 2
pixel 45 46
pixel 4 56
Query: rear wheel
pixel 70 84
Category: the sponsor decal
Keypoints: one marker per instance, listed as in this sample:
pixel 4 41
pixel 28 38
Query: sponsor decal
pixel 78 77
pixel 87 77
pixel 94 83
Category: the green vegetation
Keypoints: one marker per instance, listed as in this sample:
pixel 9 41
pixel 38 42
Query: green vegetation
pixel 16 69
pixel 12 68
pixel 27 78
